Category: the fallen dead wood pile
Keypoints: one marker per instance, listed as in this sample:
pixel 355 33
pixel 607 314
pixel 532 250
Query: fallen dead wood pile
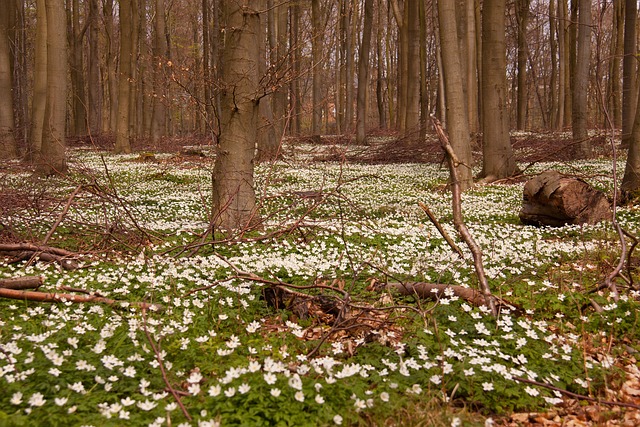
pixel 27 251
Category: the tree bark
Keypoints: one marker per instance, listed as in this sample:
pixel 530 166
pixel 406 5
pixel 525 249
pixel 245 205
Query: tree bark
pixel 39 97
pixel 556 200
pixel 94 81
pixel 234 200
pixel 79 101
pixel 53 158
pixel 8 146
pixel 629 78
pixel 522 16
pixel 316 68
pixel 363 74
pixel 554 77
pixel 498 159
pixel 125 77
pixel 158 119
pixel 579 110
pixel 456 110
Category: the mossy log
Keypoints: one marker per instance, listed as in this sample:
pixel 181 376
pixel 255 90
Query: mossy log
pixel 553 199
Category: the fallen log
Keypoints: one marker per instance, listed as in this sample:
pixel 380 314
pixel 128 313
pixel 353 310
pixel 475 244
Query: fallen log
pixel 553 199
pixel 22 251
pixel 57 297
pixel 436 291
pixel 25 282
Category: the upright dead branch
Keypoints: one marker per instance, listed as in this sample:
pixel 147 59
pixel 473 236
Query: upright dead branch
pixel 458 220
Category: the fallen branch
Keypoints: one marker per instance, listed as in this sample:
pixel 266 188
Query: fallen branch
pixel 575 395
pixel 458 220
pixel 441 229
pixel 57 297
pixel 22 251
pixel 19 283
pixel 62 214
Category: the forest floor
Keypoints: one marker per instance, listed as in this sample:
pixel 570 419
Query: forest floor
pixel 293 323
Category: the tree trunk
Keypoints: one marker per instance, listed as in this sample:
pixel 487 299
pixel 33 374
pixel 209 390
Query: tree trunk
pixel 631 181
pixel 616 54
pixel 94 80
pixel 111 119
pixel 581 82
pixel 125 77
pixel 53 158
pixel 555 200
pixel 522 16
pixel 158 119
pixel 629 65
pixel 363 73
pixel 316 68
pixel 79 101
pixel 554 78
pixel 498 159
pixel 456 110
pixel 234 199
pixel 412 111
pixel 8 146
pixel 39 98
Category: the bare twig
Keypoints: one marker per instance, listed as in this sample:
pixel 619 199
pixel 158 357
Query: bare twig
pixel 175 395
pixel 441 229
pixel 458 221
pixel 62 214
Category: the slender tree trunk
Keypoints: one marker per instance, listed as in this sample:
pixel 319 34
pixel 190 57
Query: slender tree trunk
pixel 94 80
pixel 581 81
pixel 158 119
pixel 316 68
pixel 53 157
pixel 412 112
pixel 522 15
pixel 363 73
pixel 39 99
pixel 296 106
pixel 614 89
pixel 498 159
pixel 8 146
pixel 234 199
pixel 110 59
pixel 629 92
pixel 456 110
pixel 123 131
pixel 381 78
pixel 553 82
pixel 79 100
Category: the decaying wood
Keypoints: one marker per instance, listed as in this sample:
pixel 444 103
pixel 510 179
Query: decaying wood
pixel 25 282
pixel 58 297
pixel 441 229
pixel 22 251
pixel 553 199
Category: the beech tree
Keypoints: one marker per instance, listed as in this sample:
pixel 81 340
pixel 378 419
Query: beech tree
pixel 234 199
pixel 498 160
pixel 581 81
pixel 8 147
pixel 52 158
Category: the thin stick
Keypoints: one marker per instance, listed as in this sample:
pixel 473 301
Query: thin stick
pixel 441 229
pixel 62 214
pixel 458 220
pixel 57 297
pixel 161 365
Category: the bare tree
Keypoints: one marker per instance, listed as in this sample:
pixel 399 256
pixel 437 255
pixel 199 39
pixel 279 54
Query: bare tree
pixel 498 159
pixel 581 81
pixel 234 200
pixel 8 146
pixel 363 73
pixel 456 109
pixel 53 158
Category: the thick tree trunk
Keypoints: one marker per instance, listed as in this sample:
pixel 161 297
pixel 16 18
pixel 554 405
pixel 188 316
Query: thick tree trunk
pixel 456 110
pixel 94 80
pixel 615 61
pixel 363 74
pixel 631 181
pixel 8 146
pixel 554 77
pixel 316 68
pixel 581 82
pixel 53 157
pixel 79 101
pixel 234 199
pixel 498 159
pixel 555 200
pixel 39 98
pixel 111 119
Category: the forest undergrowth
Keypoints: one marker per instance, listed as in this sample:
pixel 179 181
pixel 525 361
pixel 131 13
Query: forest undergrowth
pixel 292 323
